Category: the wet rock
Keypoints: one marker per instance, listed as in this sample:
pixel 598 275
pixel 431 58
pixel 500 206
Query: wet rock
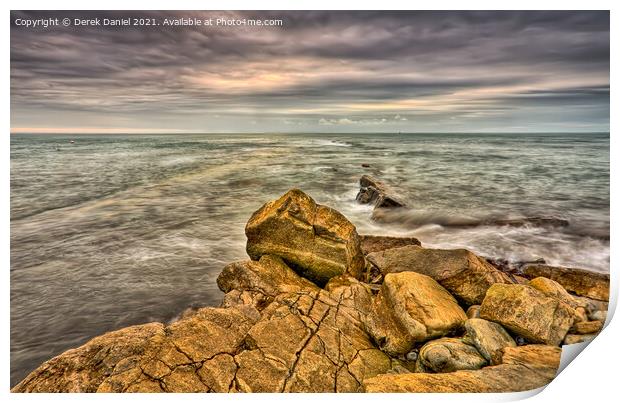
pixel 466 275
pixel 527 312
pixel 579 281
pixel 448 355
pixel 593 326
pixel 410 308
pixel 518 369
pixel 376 243
pixel 488 337
pixel 315 240
pixel 373 191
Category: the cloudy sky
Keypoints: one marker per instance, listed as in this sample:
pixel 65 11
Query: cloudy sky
pixel 318 72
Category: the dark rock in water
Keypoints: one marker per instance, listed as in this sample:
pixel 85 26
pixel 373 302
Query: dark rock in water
pixel 537 221
pixel 581 282
pixel 375 243
pixel 365 165
pixel 373 191
pixel 317 241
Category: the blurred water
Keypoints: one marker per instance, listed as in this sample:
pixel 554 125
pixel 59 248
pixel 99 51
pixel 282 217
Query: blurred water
pixel 116 230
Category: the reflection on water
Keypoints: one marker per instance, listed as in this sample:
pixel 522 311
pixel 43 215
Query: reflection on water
pixel 117 230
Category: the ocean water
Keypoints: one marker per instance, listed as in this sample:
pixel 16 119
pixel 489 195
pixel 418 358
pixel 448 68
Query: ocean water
pixel 115 230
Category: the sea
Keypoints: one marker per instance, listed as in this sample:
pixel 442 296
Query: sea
pixel 109 231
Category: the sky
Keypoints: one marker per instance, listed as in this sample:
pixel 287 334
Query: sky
pixel 331 71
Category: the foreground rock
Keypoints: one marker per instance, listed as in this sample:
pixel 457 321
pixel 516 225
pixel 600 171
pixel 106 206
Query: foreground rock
pixel 448 355
pixel 317 241
pixel 460 271
pixel 300 338
pixel 527 312
pixel 517 369
pixel 410 308
pixel 488 337
pixel 581 282
pixel 373 191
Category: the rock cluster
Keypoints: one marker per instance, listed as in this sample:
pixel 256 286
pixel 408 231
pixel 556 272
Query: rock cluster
pixel 320 309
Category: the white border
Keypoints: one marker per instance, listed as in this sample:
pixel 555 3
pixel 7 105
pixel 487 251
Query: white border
pixel 591 377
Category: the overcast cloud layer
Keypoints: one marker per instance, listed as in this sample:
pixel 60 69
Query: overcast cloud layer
pixel 320 71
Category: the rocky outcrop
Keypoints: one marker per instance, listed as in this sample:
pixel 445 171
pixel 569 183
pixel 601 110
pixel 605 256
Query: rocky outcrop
pixel 448 355
pixel 517 369
pixel 377 243
pixel 317 241
pixel 488 337
pixel 377 193
pixel 410 308
pixel 578 281
pixel 300 317
pixel 466 275
pixel 527 312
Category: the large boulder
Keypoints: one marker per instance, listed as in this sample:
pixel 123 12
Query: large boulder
pixel 376 243
pixel 317 241
pixel 373 191
pixel 410 308
pixel 527 312
pixel 448 355
pixel 466 275
pixel 488 337
pixel 518 369
pixel 581 282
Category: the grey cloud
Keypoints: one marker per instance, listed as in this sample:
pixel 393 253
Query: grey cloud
pixel 523 59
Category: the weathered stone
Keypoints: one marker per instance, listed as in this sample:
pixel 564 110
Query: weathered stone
pixel 518 369
pixel 373 191
pixel 488 337
pixel 593 326
pixel 376 243
pixel 151 357
pixel 448 355
pixel 410 308
pixel 315 240
pixel 581 282
pixel 553 289
pixel 308 340
pixel 461 272
pixel 527 312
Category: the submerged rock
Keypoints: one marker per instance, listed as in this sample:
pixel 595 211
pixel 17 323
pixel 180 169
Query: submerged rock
pixel 317 241
pixel 410 308
pixel 488 337
pixel 376 243
pixel 527 312
pixel 518 369
pixel 579 281
pixel 373 191
pixel 466 275
pixel 448 355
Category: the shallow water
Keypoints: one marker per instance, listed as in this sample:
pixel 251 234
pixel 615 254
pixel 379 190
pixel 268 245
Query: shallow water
pixel 115 230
